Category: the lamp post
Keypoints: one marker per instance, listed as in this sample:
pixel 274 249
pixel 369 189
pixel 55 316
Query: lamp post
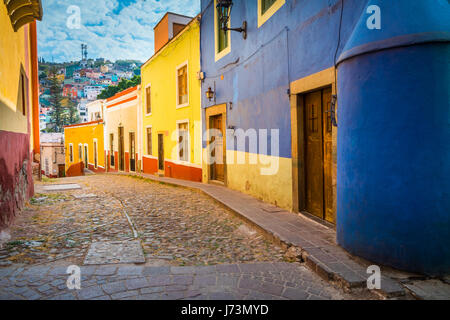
pixel 224 10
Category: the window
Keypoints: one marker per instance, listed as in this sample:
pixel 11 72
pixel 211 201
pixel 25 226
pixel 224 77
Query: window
pixel 70 153
pixel 56 156
pixel 183 141
pixel 148 101
pixel 222 38
pixel 267 8
pixel 23 93
pixel 149 141
pixel 182 86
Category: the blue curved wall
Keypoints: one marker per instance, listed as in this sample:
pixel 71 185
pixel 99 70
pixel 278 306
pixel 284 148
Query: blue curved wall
pixel 393 175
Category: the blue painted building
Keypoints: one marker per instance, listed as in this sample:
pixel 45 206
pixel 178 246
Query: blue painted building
pixel 274 94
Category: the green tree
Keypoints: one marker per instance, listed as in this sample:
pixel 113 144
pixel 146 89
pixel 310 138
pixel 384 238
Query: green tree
pixel 55 102
pixel 123 85
pixel 71 115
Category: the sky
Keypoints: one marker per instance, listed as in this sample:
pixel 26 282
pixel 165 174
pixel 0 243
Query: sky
pixel 112 29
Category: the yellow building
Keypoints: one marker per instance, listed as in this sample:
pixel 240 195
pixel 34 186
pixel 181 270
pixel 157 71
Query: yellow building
pixel 84 146
pixel 19 105
pixel 171 112
pixel 122 132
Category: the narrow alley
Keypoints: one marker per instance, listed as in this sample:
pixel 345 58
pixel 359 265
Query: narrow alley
pixel 186 246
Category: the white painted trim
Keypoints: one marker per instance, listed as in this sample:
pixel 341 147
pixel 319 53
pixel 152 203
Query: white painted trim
pixel 146 139
pixel 186 63
pixel 263 18
pixel 188 138
pixel 149 157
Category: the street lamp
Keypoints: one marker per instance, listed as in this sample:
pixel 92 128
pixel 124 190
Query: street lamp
pixel 210 94
pixel 224 10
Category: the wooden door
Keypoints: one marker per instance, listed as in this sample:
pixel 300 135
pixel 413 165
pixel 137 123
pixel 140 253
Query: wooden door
pixel 121 150
pixel 217 168
pixel 161 151
pixel 318 155
pixel 61 170
pixel 314 154
pixel 132 152
pixel 86 157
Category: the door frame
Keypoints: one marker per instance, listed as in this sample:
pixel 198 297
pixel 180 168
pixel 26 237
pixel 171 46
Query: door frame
pixel 210 112
pixel 318 81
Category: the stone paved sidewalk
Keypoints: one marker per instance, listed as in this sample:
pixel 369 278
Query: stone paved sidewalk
pixel 314 243
pixel 262 281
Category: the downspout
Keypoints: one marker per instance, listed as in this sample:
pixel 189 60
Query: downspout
pixel 35 88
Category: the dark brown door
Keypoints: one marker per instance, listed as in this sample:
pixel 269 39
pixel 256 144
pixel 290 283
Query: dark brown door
pixel 217 168
pixel 61 170
pixel 132 152
pixel 86 158
pixel 121 150
pixel 161 151
pixel 318 155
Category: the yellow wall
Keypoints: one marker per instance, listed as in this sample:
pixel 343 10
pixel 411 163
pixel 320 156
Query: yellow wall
pixel 15 55
pixel 160 73
pixel 84 134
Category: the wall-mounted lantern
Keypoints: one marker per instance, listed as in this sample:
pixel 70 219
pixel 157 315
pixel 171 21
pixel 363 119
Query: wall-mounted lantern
pixel 210 94
pixel 224 7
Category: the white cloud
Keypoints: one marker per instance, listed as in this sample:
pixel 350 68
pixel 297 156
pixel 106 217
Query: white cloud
pixel 112 29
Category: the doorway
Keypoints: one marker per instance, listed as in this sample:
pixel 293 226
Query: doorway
pixel 318 143
pixel 217 168
pixel 132 152
pixel 86 157
pixel 121 150
pixel 161 152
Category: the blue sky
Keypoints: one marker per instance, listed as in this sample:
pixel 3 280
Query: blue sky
pixel 112 29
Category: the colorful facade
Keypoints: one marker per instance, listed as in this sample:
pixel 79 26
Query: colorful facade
pixel 277 87
pixel 171 112
pixel 84 148
pixel 19 106
pixel 122 131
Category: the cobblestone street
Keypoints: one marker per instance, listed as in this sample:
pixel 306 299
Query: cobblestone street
pixel 176 244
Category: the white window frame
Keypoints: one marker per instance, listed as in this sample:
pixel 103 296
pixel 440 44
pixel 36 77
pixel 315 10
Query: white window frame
pixel 188 138
pixel 186 63
pixel 219 55
pixel 145 105
pixel 263 18
pixel 80 155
